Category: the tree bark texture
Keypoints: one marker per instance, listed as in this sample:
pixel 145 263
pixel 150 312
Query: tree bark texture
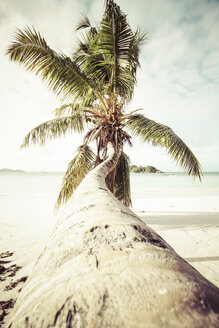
pixel 105 268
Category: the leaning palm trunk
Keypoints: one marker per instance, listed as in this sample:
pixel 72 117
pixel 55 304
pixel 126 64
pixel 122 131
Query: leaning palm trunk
pixel 103 267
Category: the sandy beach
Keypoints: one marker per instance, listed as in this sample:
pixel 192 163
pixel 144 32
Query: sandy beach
pixel 194 236
pixel 189 224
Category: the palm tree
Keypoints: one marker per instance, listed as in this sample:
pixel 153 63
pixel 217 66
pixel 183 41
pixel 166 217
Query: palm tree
pixel 97 83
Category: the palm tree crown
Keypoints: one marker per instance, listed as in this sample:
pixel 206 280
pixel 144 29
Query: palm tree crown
pixel 97 83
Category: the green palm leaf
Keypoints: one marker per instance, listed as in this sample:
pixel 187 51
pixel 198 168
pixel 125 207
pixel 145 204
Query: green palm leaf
pixel 92 62
pixel 69 109
pixel 62 75
pixel 162 135
pixel 115 38
pixel 134 50
pixel 122 180
pixel 77 169
pixel 53 129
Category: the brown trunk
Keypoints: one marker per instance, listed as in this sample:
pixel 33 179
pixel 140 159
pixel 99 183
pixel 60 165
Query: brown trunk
pixel 113 177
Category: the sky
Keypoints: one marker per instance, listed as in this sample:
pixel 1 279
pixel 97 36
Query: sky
pixel 178 82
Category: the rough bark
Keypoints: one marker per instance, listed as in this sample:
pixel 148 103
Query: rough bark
pixel 103 267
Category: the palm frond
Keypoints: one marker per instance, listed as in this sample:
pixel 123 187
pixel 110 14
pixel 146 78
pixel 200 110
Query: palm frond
pixel 134 50
pixel 116 32
pixel 77 169
pixel 122 180
pixel 85 46
pixel 115 38
pixel 93 134
pixel 83 23
pixel 161 135
pixel 110 55
pixel 61 74
pixel 92 62
pixel 53 129
pixel 69 109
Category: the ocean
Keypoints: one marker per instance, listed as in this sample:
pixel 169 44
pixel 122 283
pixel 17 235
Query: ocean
pixel 34 194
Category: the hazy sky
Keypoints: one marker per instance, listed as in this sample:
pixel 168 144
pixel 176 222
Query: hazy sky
pixel 178 82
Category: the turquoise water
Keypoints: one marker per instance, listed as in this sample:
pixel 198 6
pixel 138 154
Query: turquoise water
pixel 34 194
pixel 178 184
pixel 28 196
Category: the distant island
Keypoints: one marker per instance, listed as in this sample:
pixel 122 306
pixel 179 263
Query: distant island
pixel 6 170
pixel 144 169
pixel 10 170
pixel 133 169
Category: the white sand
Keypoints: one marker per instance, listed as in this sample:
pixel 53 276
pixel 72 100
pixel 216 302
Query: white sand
pixel 194 236
pixel 190 225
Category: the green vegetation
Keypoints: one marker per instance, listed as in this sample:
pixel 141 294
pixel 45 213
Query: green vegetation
pixel 97 84
pixel 144 169
pixel 10 170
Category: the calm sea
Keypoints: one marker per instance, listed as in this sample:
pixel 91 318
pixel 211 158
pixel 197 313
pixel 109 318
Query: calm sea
pixel 26 195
